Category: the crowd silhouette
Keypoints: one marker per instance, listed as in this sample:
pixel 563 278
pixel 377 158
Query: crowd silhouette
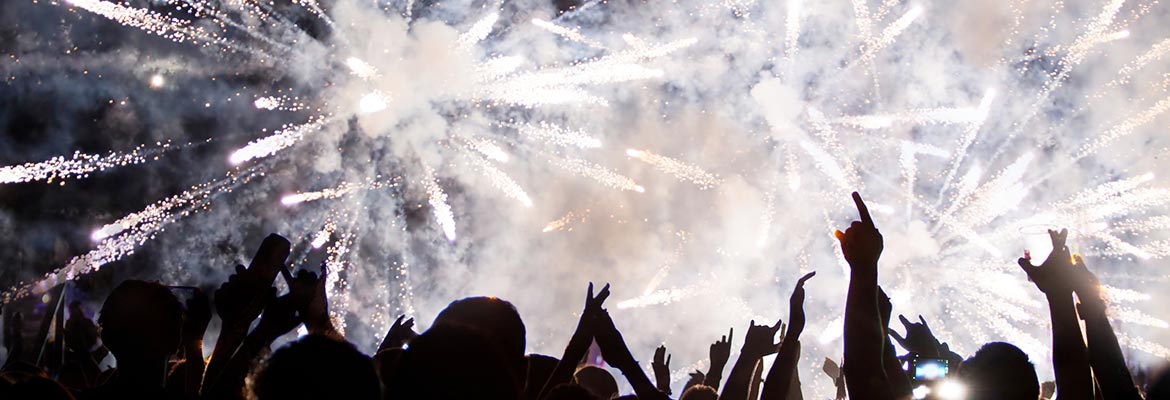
pixel 475 348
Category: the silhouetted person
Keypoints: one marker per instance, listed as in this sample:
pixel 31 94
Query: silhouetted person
pixel 317 367
pixel 499 321
pixel 1000 371
pixel 700 392
pixel 453 362
pixel 865 337
pixel 140 324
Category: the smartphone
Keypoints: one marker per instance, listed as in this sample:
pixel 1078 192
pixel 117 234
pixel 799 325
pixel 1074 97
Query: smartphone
pixel 929 369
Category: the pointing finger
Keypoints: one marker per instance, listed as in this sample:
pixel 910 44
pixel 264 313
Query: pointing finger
pixel 862 210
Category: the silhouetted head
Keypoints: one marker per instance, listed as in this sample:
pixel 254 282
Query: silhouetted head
pixel 1160 388
pixel 20 385
pixel 540 368
pixel 571 391
pixel 453 362
pixel 700 392
pixel 317 367
pixel 597 380
pixel 141 321
pixel 1000 371
pixel 496 318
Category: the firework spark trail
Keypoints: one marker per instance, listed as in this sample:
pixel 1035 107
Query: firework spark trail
pixel 1121 130
pixel 1075 54
pixel 282 103
pixel 792 30
pixel 337 289
pixel 567 33
pixel 438 201
pixel 842 171
pixel 477 33
pixel 1147 346
pixel 662 297
pixel 487 148
pixel 322 236
pixel 171 28
pixel 122 238
pixel 1155 54
pixel 559 136
pixel 997 196
pixel 888 35
pixel 282 139
pixel 80 165
pixel 966 141
pixel 599 174
pixel 560 223
pixel 681 170
pixel 502 181
pixel 341 190
pixel 862 17
pixel 563 85
pixel 201 9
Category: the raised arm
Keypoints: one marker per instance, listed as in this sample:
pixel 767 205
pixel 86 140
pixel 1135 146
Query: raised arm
pixel 861 244
pixel 195 322
pixel 899 381
pixel 759 342
pixel 578 343
pixel 1105 355
pixel 615 352
pixel 280 317
pixel 240 300
pixel 1054 277
pixel 661 367
pixel 781 378
pixel 720 352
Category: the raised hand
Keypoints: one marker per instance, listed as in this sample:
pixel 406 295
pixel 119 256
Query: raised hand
pixel 400 333
pixel 720 351
pixel 796 307
pixel 861 243
pixel 197 317
pixel 919 339
pixel 1056 276
pixel 240 300
pixel 307 293
pixel 661 366
pixel 593 303
pixel 280 317
pixel 760 340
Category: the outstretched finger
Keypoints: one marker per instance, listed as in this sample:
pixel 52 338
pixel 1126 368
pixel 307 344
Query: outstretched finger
pixel 668 356
pixel 602 295
pixel 905 322
pixel 779 324
pixel 1026 264
pixel 898 338
pixel 806 277
pixel 862 210
pixel 729 332
pixel 924 324
pixel 589 294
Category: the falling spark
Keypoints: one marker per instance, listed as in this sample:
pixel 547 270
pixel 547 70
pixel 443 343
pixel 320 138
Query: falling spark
pixel 679 169
pixel 438 201
pixel 501 181
pixel 888 35
pixel 561 223
pixel 599 174
pixel 269 145
pixel 567 33
pixel 79 165
pixel 557 135
pixel 323 235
